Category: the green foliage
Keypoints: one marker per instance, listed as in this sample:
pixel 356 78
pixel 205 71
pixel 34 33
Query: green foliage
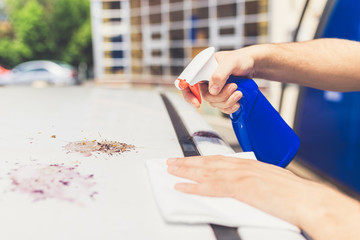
pixel 47 29
pixel 13 52
pixel 79 48
pixel 31 30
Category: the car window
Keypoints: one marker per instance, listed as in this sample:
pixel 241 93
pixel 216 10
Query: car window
pixel 37 70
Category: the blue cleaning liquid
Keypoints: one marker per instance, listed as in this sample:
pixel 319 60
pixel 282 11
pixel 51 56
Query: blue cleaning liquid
pixel 260 128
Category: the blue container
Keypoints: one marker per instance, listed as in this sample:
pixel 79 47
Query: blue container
pixel 260 128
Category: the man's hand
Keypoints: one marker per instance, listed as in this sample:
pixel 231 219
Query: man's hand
pixel 261 185
pixel 321 211
pixel 219 94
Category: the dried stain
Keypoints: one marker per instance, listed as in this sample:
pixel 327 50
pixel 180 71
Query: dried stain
pixel 87 148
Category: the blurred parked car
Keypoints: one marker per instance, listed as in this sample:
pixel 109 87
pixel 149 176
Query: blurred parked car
pixel 42 72
pixel 4 71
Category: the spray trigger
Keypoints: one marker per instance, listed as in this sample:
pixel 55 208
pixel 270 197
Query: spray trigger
pixel 182 84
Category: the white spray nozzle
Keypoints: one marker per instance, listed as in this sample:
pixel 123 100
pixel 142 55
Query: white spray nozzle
pixel 201 68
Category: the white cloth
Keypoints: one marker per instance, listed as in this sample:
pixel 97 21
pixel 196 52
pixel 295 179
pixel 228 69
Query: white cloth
pixel 178 207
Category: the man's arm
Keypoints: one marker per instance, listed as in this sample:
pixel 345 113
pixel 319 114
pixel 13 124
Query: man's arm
pixel 328 64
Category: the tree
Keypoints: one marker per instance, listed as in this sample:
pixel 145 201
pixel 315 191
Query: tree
pixel 47 29
pixel 79 48
pixel 31 30
pixel 72 36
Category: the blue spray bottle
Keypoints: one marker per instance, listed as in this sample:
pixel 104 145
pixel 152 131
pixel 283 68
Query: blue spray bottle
pixel 257 125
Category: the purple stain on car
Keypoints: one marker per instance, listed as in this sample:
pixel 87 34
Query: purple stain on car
pixel 206 134
pixel 53 182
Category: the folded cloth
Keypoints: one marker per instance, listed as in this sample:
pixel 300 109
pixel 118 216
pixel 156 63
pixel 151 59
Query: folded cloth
pixel 178 207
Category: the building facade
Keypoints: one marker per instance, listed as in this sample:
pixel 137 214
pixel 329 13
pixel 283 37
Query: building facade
pixel 152 41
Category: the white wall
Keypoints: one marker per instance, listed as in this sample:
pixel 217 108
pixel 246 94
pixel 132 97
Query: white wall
pixel 285 15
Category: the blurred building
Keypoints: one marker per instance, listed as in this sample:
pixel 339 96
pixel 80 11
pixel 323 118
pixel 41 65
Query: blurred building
pixel 3 15
pixel 153 40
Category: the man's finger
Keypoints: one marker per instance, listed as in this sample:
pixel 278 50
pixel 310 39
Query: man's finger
pixel 231 109
pixel 199 174
pixel 220 76
pixel 223 96
pixel 190 98
pixel 213 162
pixel 230 101
pixel 211 189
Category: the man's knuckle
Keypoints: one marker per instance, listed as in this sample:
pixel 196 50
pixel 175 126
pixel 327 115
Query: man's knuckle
pixel 206 174
pixel 219 173
pixel 208 97
pixel 205 162
pixel 183 170
pixel 217 77
pixel 223 98
pixel 250 178
pixel 228 106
